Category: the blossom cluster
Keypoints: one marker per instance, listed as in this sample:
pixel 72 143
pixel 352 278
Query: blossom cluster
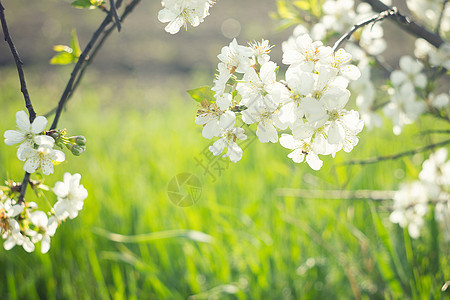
pixel 310 102
pixel 410 89
pixel 21 222
pixel 24 225
pixel 178 13
pixel 411 202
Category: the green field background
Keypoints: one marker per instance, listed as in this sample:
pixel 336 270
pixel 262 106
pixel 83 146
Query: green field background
pixel 241 240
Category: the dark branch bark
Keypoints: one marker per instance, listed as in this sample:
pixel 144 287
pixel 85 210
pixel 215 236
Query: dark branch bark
pixel 395 156
pixel 115 15
pixel 407 24
pixel 19 63
pixel 83 60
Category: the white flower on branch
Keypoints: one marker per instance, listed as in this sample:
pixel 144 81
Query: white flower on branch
pixel 216 117
pixel 42 157
pixel 228 139
pixel 46 229
pixel 301 149
pixel 71 195
pixel 25 132
pixel 180 12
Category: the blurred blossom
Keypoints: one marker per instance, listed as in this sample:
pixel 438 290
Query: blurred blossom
pixel 410 207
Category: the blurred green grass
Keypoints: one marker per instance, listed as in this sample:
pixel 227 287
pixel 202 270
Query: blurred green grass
pixel 264 246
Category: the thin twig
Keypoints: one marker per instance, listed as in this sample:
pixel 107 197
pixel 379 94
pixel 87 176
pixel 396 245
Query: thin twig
pixel 19 63
pixel 441 15
pixel 382 15
pixel 79 69
pixel 407 24
pixel 23 187
pixel 76 69
pixel 115 15
pixel 395 156
pixel 438 131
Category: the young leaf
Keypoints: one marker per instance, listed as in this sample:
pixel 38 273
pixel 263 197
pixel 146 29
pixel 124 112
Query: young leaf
pixel 62 58
pixel 82 4
pixel 201 93
pixel 75 45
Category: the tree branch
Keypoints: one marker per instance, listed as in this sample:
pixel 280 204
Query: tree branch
pixel 83 61
pixel 19 63
pixel 438 26
pixel 407 24
pixel 115 15
pixel 395 156
pixel 382 15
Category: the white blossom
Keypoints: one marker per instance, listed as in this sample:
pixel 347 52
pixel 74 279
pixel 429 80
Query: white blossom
pixel 26 131
pixel 410 207
pixel 42 157
pixel 228 139
pixel 180 12
pixel 301 149
pixel 71 195
pixel 46 229
pixel 409 73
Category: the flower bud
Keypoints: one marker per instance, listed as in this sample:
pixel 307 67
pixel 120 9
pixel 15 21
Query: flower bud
pixel 54 134
pixel 76 149
pixel 79 140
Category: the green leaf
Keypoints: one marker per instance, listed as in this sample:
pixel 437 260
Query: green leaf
pixel 62 58
pixel 74 44
pixel 81 4
pixel 201 93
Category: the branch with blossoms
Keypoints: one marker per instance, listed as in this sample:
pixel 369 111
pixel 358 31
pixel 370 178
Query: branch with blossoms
pixel 21 221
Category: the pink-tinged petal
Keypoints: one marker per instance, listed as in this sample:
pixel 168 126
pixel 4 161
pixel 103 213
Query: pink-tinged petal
pixel 297 156
pixel 47 166
pixel 32 164
pixel 22 121
pixel 13 137
pixel 314 161
pixel 39 124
